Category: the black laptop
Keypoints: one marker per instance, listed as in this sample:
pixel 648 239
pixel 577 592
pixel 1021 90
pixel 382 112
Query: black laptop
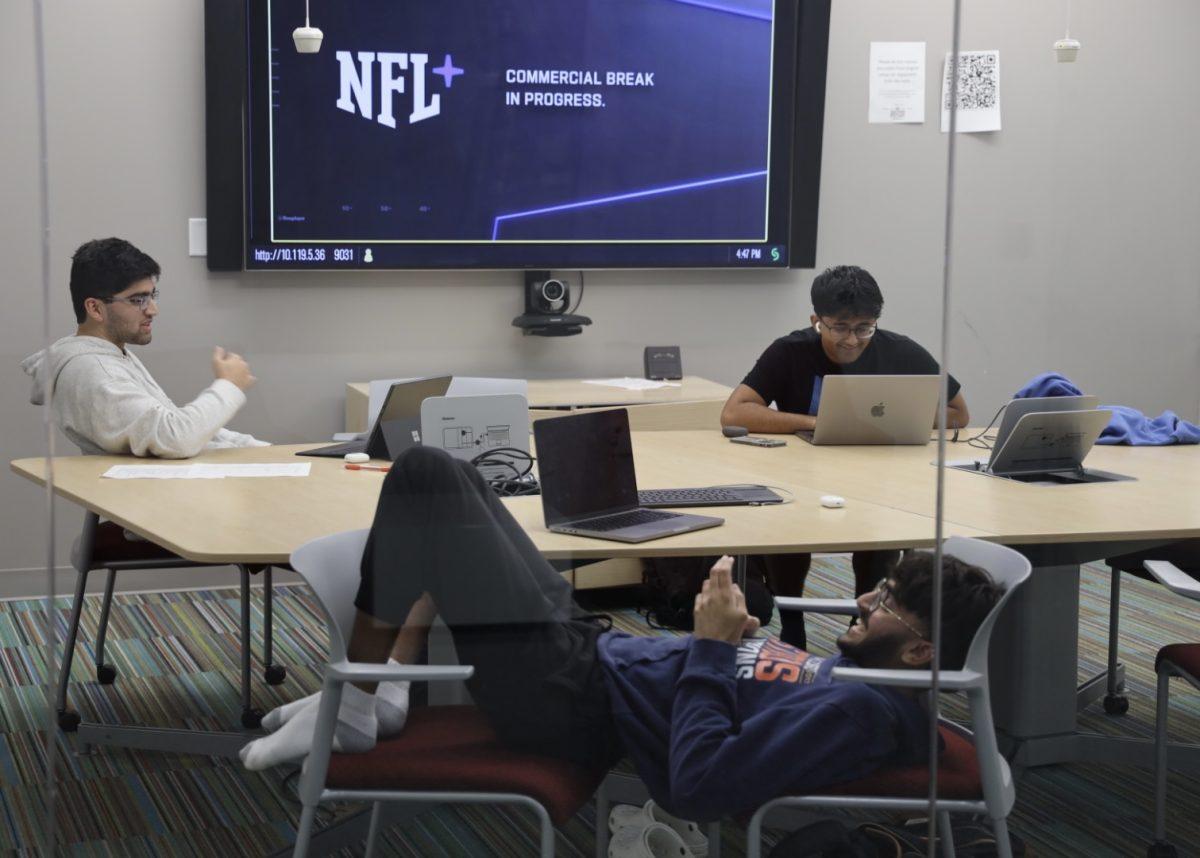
pixel 585 464
pixel 398 425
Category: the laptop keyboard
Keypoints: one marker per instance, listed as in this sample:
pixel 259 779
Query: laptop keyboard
pixel 627 519
pixel 678 497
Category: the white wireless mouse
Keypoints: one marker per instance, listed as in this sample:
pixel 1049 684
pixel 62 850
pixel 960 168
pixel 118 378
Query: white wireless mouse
pixel 357 458
pixel 833 501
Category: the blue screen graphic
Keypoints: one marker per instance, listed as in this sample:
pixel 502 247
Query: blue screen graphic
pixel 500 126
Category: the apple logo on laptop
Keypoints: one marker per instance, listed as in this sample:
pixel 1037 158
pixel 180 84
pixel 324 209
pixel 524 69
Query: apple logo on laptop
pixel 877 410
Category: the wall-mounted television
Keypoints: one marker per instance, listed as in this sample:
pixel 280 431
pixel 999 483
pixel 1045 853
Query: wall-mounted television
pixel 515 134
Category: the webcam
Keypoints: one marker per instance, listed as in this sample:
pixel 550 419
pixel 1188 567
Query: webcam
pixel 546 301
pixel 549 296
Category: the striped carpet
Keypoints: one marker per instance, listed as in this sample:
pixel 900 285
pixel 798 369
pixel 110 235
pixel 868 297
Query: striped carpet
pixel 177 655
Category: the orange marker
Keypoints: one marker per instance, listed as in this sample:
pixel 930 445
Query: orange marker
pixel 350 467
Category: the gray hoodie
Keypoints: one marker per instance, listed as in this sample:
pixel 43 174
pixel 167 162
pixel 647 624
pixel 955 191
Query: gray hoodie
pixel 106 402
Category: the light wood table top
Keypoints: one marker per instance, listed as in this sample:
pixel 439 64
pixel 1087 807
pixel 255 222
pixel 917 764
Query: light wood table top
pixel 578 393
pixel 262 520
pixel 890 493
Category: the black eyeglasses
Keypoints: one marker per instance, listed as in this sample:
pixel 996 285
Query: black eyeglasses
pixel 841 331
pixel 141 300
pixel 882 593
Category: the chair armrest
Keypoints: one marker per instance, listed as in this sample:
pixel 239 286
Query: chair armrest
pixel 948 680
pixel 849 607
pixel 1173 578
pixel 362 672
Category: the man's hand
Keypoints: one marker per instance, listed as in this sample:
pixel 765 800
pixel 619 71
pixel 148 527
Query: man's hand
pixel 720 609
pixel 232 367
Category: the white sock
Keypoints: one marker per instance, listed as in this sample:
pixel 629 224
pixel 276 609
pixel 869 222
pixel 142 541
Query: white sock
pixel 391 708
pixel 391 705
pixel 355 732
pixel 280 715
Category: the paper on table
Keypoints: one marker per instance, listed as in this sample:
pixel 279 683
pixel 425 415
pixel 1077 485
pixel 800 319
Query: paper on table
pixel 978 92
pixel 632 383
pixel 205 471
pixel 156 472
pixel 897 88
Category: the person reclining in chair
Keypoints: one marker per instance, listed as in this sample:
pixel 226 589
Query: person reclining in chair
pixel 104 398
pixel 716 722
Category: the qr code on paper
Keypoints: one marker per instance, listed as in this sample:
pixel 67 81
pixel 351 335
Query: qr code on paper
pixel 978 80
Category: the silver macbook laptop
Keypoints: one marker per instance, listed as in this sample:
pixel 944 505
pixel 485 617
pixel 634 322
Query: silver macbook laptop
pixel 875 409
pixel 585 464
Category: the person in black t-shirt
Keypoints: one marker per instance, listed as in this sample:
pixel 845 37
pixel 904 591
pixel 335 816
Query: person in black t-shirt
pixel 845 337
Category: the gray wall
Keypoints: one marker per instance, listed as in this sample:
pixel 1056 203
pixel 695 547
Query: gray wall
pixel 1075 242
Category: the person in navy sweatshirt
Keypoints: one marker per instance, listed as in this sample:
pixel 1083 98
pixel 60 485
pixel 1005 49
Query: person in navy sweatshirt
pixel 716 722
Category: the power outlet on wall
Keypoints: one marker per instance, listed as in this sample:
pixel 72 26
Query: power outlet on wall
pixel 197 236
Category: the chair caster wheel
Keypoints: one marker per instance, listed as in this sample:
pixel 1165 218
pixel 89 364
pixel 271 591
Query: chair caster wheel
pixel 252 718
pixel 1161 849
pixel 275 674
pixel 106 674
pixel 1116 704
pixel 68 721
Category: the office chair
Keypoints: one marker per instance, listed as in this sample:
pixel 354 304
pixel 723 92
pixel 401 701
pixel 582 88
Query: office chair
pixel 972 775
pixel 1175 660
pixel 103 545
pixel 445 754
pixel 1185 555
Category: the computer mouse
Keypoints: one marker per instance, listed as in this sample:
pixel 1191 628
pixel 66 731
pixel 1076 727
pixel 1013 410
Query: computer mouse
pixel 734 431
pixel 833 501
pixel 356 458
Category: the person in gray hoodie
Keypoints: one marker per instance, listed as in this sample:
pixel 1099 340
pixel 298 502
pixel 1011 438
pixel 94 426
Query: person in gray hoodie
pixel 103 398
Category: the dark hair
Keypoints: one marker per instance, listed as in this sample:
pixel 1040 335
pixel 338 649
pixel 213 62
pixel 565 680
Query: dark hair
pixel 846 290
pixel 105 266
pixel 968 594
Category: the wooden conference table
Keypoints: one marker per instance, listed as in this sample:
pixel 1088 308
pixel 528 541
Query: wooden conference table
pixel 568 393
pixel 890 493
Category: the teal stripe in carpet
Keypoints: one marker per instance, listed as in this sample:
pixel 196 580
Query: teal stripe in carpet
pixel 178 653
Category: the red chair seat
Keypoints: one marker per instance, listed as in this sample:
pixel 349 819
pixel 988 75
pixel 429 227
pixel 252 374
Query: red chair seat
pixel 1184 656
pixel 111 546
pixel 452 748
pixel 958 775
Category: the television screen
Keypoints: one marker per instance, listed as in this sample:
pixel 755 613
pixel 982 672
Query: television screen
pixel 521 134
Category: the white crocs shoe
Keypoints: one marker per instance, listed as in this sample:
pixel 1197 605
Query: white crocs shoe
pixel 627 815
pixel 654 841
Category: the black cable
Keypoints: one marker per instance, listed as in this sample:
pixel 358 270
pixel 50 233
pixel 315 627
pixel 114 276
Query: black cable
pixel 981 440
pixel 516 461
pixel 579 300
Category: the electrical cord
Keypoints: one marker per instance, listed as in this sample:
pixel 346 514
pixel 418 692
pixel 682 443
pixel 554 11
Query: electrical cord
pixel 515 468
pixel 578 300
pixel 982 441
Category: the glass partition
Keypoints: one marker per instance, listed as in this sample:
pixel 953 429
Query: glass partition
pixel 1074 209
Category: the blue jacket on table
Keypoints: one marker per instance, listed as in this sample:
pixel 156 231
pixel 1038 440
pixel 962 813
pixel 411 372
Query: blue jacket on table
pixel 716 729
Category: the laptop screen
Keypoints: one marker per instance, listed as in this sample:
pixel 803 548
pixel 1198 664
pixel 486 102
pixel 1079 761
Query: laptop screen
pixel 398 426
pixel 585 464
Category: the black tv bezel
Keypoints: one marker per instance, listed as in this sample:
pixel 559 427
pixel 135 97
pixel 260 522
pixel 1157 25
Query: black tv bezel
pixel 226 50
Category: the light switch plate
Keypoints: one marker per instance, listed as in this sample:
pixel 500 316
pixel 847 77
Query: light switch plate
pixel 197 236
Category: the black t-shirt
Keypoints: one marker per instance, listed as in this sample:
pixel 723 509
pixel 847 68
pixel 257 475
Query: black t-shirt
pixel 789 370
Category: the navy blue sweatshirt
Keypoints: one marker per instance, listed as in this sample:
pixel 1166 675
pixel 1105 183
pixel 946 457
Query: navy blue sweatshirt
pixel 716 729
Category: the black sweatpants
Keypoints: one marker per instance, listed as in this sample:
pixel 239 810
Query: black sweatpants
pixel 439 529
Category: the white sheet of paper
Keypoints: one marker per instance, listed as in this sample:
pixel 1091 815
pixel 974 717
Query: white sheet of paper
pixel 290 469
pixel 199 471
pixel 897 82
pixel 156 472
pixel 978 92
pixel 632 383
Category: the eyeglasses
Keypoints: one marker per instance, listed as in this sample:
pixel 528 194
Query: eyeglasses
pixel 882 592
pixel 840 332
pixel 141 300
